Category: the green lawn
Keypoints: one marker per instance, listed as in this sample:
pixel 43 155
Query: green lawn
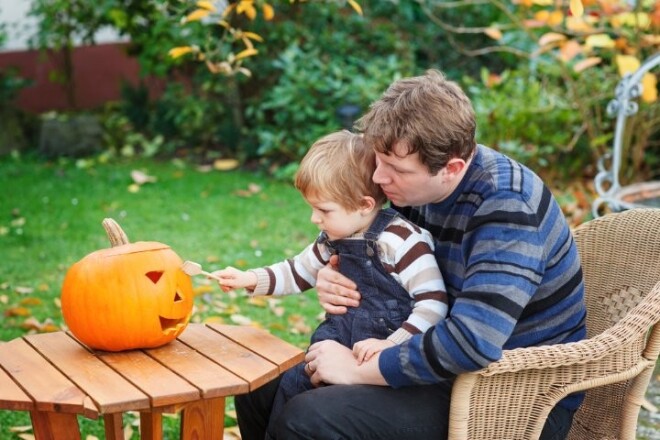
pixel 50 217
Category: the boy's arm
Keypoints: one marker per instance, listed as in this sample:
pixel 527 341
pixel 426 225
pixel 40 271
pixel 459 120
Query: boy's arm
pixel 293 275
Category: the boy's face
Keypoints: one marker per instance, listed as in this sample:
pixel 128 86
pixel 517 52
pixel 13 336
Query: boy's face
pixel 335 220
pixel 407 182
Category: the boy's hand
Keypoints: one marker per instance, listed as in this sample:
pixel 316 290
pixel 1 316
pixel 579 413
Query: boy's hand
pixel 232 278
pixel 364 350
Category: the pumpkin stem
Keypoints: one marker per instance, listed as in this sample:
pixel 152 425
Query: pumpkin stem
pixel 115 233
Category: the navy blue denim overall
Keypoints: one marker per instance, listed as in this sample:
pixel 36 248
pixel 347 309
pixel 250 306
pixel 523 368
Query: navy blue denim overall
pixel 384 307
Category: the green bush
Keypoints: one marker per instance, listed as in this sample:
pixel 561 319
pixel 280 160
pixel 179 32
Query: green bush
pixel 529 119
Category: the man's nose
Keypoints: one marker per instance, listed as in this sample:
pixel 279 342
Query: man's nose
pixel 379 176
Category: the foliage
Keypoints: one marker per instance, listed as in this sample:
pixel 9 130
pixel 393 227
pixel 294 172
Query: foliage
pixel 528 119
pixel 223 51
pixel 581 46
pixel 304 104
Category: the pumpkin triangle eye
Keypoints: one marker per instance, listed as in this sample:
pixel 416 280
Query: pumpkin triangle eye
pixel 177 297
pixel 154 275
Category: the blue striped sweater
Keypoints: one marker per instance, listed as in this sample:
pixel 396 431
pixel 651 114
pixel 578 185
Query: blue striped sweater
pixel 511 270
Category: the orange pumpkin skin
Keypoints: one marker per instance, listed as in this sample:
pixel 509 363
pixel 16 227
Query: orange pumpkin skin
pixel 129 296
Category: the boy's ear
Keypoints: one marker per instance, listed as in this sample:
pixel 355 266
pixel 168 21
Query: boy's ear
pixel 367 204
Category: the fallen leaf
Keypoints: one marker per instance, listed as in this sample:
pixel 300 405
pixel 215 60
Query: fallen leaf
pixel 232 433
pixel 31 301
pixel 140 178
pixel 17 311
pixel 240 319
pixel 225 164
pixel 24 428
pixel 23 290
pixel 258 301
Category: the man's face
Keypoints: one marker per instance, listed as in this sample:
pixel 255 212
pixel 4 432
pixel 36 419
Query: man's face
pixel 407 182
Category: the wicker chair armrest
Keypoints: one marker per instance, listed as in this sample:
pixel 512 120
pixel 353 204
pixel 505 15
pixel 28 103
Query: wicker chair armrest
pixel 633 326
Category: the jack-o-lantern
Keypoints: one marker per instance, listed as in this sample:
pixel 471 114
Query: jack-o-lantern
pixel 132 295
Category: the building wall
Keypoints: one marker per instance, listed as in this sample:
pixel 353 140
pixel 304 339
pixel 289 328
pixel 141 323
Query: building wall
pixel 99 70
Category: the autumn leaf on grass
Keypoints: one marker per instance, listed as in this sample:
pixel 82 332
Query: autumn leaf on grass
pixel 251 190
pixel 225 164
pixel 258 301
pixel 31 301
pixel 232 433
pixel 298 325
pixel 240 319
pixel 17 311
pixel 23 290
pixel 140 177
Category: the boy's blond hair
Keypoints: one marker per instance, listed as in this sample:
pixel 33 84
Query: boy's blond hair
pixel 339 168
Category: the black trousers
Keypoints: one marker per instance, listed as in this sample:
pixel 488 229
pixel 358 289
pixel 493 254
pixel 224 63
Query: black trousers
pixel 361 412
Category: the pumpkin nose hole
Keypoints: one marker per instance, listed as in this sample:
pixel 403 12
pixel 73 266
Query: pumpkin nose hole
pixel 177 297
pixel 154 275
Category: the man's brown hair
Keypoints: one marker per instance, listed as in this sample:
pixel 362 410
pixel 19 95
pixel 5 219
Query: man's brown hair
pixel 428 114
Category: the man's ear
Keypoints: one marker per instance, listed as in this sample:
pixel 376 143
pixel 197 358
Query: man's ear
pixel 367 204
pixel 455 166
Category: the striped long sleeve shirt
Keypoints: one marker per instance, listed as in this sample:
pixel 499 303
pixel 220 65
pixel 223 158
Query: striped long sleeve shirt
pixel 511 269
pixel 406 252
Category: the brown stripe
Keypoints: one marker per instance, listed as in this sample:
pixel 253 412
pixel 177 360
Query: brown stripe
pixel 271 281
pixel 436 296
pixel 412 255
pixel 410 328
pixel 300 281
pixel 399 231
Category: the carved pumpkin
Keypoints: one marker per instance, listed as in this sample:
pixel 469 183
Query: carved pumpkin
pixel 132 295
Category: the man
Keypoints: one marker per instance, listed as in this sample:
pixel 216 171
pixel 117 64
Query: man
pixel 510 265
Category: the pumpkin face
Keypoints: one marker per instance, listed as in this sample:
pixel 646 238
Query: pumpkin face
pixel 132 295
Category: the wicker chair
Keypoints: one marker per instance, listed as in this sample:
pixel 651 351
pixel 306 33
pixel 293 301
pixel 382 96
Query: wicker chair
pixel 511 398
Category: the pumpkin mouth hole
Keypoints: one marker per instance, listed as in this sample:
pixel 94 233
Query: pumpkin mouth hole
pixel 168 324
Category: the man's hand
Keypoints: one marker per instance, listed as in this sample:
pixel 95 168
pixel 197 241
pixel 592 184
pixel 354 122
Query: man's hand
pixel 329 362
pixel 364 350
pixel 335 291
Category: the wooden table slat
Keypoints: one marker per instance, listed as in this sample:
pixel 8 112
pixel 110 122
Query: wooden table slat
pixel 162 385
pixel 13 397
pixel 50 389
pixel 267 345
pixel 107 388
pixel 210 378
pixel 239 360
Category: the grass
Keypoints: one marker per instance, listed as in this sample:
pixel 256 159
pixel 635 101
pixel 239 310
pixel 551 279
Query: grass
pixel 50 217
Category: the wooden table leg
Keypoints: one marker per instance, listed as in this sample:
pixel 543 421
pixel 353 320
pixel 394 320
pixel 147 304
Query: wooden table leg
pixel 151 425
pixel 114 426
pixel 204 419
pixel 54 426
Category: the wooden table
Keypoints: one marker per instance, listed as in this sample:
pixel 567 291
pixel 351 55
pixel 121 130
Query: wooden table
pixel 55 378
